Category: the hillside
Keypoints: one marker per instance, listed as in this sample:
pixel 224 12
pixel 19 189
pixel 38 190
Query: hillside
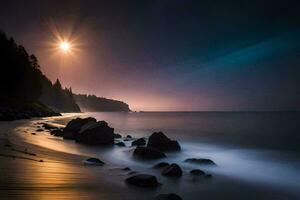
pixel 25 91
pixel 93 103
pixel 57 98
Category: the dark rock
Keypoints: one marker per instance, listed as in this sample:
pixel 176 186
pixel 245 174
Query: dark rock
pixel 93 161
pixel 33 133
pixel 116 135
pixel 197 172
pixel 202 161
pixel 170 196
pixel 39 130
pixel 56 132
pixel 96 133
pixel 128 136
pixel 120 144
pixel 48 126
pixel 159 141
pixel 208 176
pixel 148 153
pixel 161 165
pixel 139 142
pixel 74 126
pixel 173 170
pixel 143 180
pixel 126 169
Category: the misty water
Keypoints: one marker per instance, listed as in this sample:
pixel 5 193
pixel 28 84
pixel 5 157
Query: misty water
pixel 255 148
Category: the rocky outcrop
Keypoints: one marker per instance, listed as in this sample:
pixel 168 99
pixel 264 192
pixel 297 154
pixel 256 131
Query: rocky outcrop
pixel 170 196
pixel 160 141
pixel 202 161
pixel 139 142
pixel 74 126
pixel 173 170
pixel 148 153
pixel 96 133
pixel 143 180
pixel 89 131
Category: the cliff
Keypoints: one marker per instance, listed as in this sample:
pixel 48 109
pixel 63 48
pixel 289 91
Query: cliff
pixel 93 103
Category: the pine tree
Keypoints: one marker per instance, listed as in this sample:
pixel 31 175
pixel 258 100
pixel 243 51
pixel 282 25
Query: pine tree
pixel 57 85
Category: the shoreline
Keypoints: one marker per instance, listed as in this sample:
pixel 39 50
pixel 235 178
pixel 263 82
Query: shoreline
pixel 62 175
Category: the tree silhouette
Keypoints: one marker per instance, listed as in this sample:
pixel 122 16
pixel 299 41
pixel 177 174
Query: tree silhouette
pixel 21 80
pixel 57 85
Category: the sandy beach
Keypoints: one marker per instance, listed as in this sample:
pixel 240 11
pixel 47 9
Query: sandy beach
pixel 30 169
pixel 59 176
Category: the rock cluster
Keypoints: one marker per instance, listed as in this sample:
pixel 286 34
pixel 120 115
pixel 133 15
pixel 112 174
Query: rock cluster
pixel 74 126
pixel 161 142
pixel 89 131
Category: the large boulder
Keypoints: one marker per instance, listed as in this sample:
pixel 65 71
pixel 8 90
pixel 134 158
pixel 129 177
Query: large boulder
pixel 147 153
pixel 74 126
pixel 160 141
pixel 139 142
pixel 143 180
pixel 161 165
pixel 197 172
pixel 96 133
pixel 170 196
pixel 201 161
pixel 173 170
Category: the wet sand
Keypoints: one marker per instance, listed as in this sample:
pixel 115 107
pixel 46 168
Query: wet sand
pixel 59 176
pixel 63 176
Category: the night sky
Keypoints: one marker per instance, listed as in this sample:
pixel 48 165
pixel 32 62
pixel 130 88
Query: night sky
pixel 168 55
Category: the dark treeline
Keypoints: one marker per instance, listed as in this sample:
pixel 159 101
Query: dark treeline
pixel 94 103
pixel 24 89
pixel 21 78
pixel 26 92
pixel 57 98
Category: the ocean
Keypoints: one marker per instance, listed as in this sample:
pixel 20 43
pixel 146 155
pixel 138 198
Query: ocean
pixel 261 149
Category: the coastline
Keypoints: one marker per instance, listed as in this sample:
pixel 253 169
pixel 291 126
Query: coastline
pixel 62 175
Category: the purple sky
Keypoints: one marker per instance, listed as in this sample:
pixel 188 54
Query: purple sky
pixel 170 55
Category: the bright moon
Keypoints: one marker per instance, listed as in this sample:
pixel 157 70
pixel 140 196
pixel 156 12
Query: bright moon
pixel 65 46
